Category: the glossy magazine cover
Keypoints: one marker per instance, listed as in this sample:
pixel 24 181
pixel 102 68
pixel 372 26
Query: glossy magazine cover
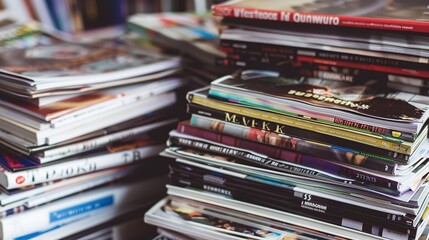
pixel 361 99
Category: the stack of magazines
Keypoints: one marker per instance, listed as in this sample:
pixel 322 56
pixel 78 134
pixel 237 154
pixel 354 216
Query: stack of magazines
pixel 75 118
pixel 268 155
pixel 192 37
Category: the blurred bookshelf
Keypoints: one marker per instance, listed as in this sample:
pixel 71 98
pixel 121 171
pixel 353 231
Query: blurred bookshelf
pixel 77 16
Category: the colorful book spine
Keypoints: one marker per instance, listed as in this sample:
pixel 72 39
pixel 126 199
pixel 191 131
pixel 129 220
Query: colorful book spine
pixel 275 158
pixel 329 152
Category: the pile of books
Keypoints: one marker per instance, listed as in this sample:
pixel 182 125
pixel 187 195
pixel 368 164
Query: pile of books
pixel 269 155
pixel 74 119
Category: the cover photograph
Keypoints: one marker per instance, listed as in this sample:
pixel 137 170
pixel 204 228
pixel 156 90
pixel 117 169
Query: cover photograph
pixel 65 64
pixel 329 95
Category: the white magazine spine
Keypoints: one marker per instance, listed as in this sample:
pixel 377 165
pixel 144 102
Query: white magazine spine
pixel 78 207
pixel 76 167
pixel 121 99
pixel 106 119
pixel 61 152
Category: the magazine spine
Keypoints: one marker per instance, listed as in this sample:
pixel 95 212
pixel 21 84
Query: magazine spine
pixel 276 53
pixel 372 67
pixel 94 143
pixel 294 205
pixel 333 153
pixel 11 180
pixel 275 156
pixel 296 200
pixel 292 57
pixel 358 230
pixel 241 115
pixel 320 19
pixel 303 133
pixel 73 208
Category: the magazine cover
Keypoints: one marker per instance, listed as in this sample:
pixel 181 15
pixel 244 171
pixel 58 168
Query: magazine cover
pixel 360 99
pixel 379 14
pixel 66 59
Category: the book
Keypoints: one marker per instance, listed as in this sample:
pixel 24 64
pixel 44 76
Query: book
pixel 356 13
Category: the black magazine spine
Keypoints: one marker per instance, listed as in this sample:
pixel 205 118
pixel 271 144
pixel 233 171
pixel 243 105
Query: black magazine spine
pixel 287 53
pixel 319 210
pixel 288 194
pixel 298 161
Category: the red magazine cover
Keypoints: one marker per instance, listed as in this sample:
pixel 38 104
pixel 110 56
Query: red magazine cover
pixel 394 15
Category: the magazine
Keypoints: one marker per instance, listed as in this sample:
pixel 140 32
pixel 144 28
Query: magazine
pixel 393 15
pixel 67 65
pixel 357 103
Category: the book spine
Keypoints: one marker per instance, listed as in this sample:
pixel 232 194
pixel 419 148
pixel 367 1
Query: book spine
pixel 333 153
pixel 275 156
pixel 282 120
pixel 77 167
pixel 295 199
pixel 320 19
pixel 303 133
